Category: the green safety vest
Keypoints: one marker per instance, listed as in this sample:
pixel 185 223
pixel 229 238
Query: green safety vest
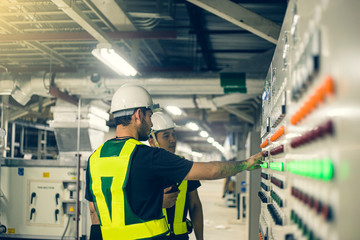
pixel 108 178
pixel 179 226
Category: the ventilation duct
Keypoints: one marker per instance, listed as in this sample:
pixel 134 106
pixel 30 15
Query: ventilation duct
pixel 93 117
pixel 26 86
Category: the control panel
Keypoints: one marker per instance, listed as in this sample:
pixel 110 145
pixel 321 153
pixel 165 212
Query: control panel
pixel 310 125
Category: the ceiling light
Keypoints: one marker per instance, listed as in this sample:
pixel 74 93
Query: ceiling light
pixel 193 126
pixel 210 140
pixel 174 110
pixel 112 59
pixel 204 134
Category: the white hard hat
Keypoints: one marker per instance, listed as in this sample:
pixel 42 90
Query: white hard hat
pixel 161 121
pixel 128 97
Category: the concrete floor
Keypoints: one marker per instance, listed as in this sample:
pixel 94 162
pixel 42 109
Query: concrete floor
pixel 219 220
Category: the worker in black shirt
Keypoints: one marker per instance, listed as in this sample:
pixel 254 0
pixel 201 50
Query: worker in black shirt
pixel 125 179
pixel 163 135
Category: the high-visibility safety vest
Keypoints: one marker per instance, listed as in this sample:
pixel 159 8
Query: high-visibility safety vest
pixel 179 226
pixel 108 178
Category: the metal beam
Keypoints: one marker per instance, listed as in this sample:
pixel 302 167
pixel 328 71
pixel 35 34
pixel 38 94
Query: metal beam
pixel 50 52
pixel 80 18
pixel 240 114
pixel 37 45
pixel 84 36
pixel 13 115
pixel 241 17
pixel 195 15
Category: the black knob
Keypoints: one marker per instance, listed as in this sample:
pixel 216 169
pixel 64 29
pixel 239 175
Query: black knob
pixel 56 215
pixel 32 212
pixel 57 196
pixel 33 195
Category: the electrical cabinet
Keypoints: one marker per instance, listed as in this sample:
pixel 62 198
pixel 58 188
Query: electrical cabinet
pixel 39 201
pixel 310 125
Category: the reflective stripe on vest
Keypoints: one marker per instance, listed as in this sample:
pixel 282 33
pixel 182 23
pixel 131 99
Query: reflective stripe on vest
pixel 179 226
pixel 113 219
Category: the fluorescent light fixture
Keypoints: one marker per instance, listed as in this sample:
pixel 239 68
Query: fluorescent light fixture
pixel 192 126
pixel 112 59
pixel 196 154
pixel 204 134
pixel 174 110
pixel 210 140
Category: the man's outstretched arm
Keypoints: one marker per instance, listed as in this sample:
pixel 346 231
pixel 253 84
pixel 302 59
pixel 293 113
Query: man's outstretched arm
pixel 217 170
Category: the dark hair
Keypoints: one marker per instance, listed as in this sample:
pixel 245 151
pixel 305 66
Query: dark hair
pixel 125 120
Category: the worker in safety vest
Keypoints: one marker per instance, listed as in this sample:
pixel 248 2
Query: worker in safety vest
pixel 125 179
pixel 163 135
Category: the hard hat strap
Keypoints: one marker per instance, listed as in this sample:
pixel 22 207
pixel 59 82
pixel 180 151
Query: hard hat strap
pixel 154 137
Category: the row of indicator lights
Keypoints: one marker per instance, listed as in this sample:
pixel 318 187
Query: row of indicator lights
pixel 278 134
pixel 316 205
pixel 326 88
pixel 277 182
pixel 302 226
pixel 322 169
pixel 276 198
pixel 264 186
pixel 318 132
pixel 277 150
pixel 275 215
pixel 265 176
pixel 262 197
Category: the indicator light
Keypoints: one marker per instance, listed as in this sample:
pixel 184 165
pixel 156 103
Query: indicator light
pixel 277 150
pixel 277 134
pixel 264 165
pixel 278 166
pixel 265 143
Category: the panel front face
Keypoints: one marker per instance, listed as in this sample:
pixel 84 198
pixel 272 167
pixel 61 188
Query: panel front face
pixel 35 199
pixel 311 112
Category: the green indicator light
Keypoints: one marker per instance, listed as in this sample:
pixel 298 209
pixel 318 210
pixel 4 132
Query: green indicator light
pixel 316 169
pixel 264 165
pixel 322 169
pixel 327 170
pixel 278 166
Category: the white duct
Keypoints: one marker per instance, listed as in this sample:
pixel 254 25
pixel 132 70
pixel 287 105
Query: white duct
pixel 25 87
pixel 181 90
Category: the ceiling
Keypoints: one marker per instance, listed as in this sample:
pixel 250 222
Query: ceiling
pixel 179 48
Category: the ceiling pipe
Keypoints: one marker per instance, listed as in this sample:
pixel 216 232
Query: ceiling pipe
pixel 26 86
pixel 167 90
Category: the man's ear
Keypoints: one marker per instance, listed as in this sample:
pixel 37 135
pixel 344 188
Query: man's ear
pixel 151 142
pixel 138 114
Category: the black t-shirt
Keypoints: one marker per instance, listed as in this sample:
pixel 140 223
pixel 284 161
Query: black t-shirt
pixel 152 170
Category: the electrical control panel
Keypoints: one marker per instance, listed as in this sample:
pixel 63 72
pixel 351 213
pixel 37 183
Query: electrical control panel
pixel 310 125
pixel 39 201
